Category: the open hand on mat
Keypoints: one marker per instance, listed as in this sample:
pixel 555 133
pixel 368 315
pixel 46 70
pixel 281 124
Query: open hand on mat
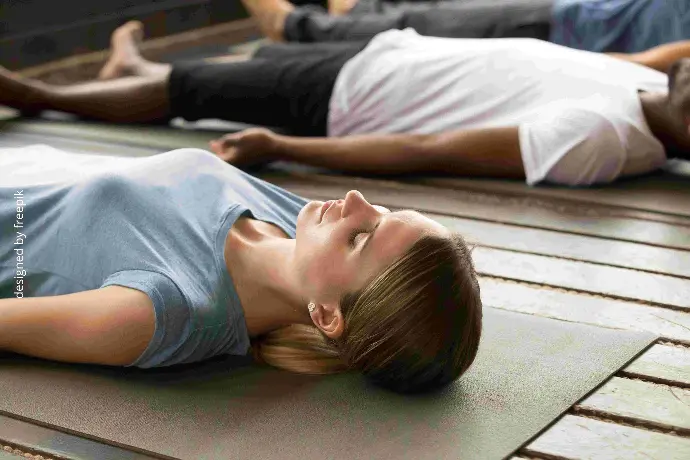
pixel 247 148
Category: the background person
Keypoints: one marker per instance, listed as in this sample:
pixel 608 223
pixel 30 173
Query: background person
pixel 404 103
pixel 623 26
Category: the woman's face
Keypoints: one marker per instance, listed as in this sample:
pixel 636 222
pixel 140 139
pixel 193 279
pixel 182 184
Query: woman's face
pixel 342 245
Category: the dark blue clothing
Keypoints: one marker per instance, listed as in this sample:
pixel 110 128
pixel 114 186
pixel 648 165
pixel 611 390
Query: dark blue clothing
pixel 625 26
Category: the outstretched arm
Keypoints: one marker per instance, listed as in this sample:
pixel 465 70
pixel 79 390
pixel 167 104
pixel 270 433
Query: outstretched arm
pixel 660 57
pixel 492 152
pixel 112 325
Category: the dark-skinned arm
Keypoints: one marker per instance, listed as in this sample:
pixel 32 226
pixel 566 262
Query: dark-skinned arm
pixel 492 152
pixel 660 57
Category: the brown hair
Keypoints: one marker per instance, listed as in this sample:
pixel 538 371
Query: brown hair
pixel 415 327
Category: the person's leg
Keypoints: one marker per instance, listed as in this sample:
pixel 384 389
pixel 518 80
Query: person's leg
pixel 126 59
pixel 270 16
pixel 128 99
pixel 340 7
pixel 124 51
pixel 456 19
pixel 280 20
pixel 286 86
pixel 292 92
pixel 481 19
pixel 143 82
pixel 130 78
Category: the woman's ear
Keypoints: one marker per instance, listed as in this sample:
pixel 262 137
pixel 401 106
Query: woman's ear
pixel 329 319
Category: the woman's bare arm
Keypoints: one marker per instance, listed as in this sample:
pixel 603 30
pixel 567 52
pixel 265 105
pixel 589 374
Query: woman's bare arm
pixel 112 325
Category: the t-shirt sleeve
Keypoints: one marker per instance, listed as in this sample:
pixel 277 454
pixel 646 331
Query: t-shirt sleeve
pixel 571 146
pixel 171 310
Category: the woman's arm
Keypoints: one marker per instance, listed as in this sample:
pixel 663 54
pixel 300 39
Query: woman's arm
pixel 660 57
pixel 491 152
pixel 112 325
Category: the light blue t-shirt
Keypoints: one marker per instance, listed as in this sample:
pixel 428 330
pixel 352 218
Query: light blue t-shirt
pixel 624 26
pixel 157 224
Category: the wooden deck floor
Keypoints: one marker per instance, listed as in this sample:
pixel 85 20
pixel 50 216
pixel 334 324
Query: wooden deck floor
pixel 616 257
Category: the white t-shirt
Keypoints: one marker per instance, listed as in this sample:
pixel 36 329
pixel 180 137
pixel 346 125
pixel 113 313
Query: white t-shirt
pixel 579 115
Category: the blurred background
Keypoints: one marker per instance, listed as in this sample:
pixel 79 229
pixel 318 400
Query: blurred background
pixel 35 32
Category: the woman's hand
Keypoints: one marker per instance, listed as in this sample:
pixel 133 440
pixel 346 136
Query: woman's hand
pixel 250 147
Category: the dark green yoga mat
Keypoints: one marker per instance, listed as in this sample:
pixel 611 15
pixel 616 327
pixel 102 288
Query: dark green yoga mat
pixel 529 370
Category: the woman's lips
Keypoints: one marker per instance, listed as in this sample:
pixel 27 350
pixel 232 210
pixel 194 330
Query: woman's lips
pixel 324 208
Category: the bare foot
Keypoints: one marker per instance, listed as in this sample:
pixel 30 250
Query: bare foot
pixel 270 16
pixel 340 7
pixel 124 54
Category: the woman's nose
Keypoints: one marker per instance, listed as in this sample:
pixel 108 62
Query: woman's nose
pixel 355 203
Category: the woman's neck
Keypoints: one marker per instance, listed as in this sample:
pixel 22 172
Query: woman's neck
pixel 258 256
pixel 665 124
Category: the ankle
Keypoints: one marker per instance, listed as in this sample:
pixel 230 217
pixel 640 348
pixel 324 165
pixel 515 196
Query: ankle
pixel 38 94
pixel 21 93
pixel 278 26
pixel 270 16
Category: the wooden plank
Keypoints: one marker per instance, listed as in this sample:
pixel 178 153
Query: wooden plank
pixel 649 404
pixel 160 138
pixel 567 306
pixel 667 193
pixel 589 220
pixel 581 438
pixel 663 363
pixel 587 277
pixel 35 438
pixel 585 248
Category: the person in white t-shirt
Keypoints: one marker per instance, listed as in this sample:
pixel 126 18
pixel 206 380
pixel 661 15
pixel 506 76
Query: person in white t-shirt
pixel 404 103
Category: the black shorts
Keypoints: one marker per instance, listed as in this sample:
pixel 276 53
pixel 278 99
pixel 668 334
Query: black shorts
pixel 284 85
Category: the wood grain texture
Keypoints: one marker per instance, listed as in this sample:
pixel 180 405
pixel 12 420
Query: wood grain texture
pixel 667 194
pixel 587 277
pixel 592 220
pixel 664 363
pixel 641 402
pixel 586 248
pixel 579 308
pixel 581 438
pixel 60 445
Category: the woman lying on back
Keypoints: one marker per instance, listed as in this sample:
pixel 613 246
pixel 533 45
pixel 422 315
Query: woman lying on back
pixel 179 257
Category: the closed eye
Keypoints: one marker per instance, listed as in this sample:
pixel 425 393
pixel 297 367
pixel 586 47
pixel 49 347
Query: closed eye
pixel 353 236
pixel 371 236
